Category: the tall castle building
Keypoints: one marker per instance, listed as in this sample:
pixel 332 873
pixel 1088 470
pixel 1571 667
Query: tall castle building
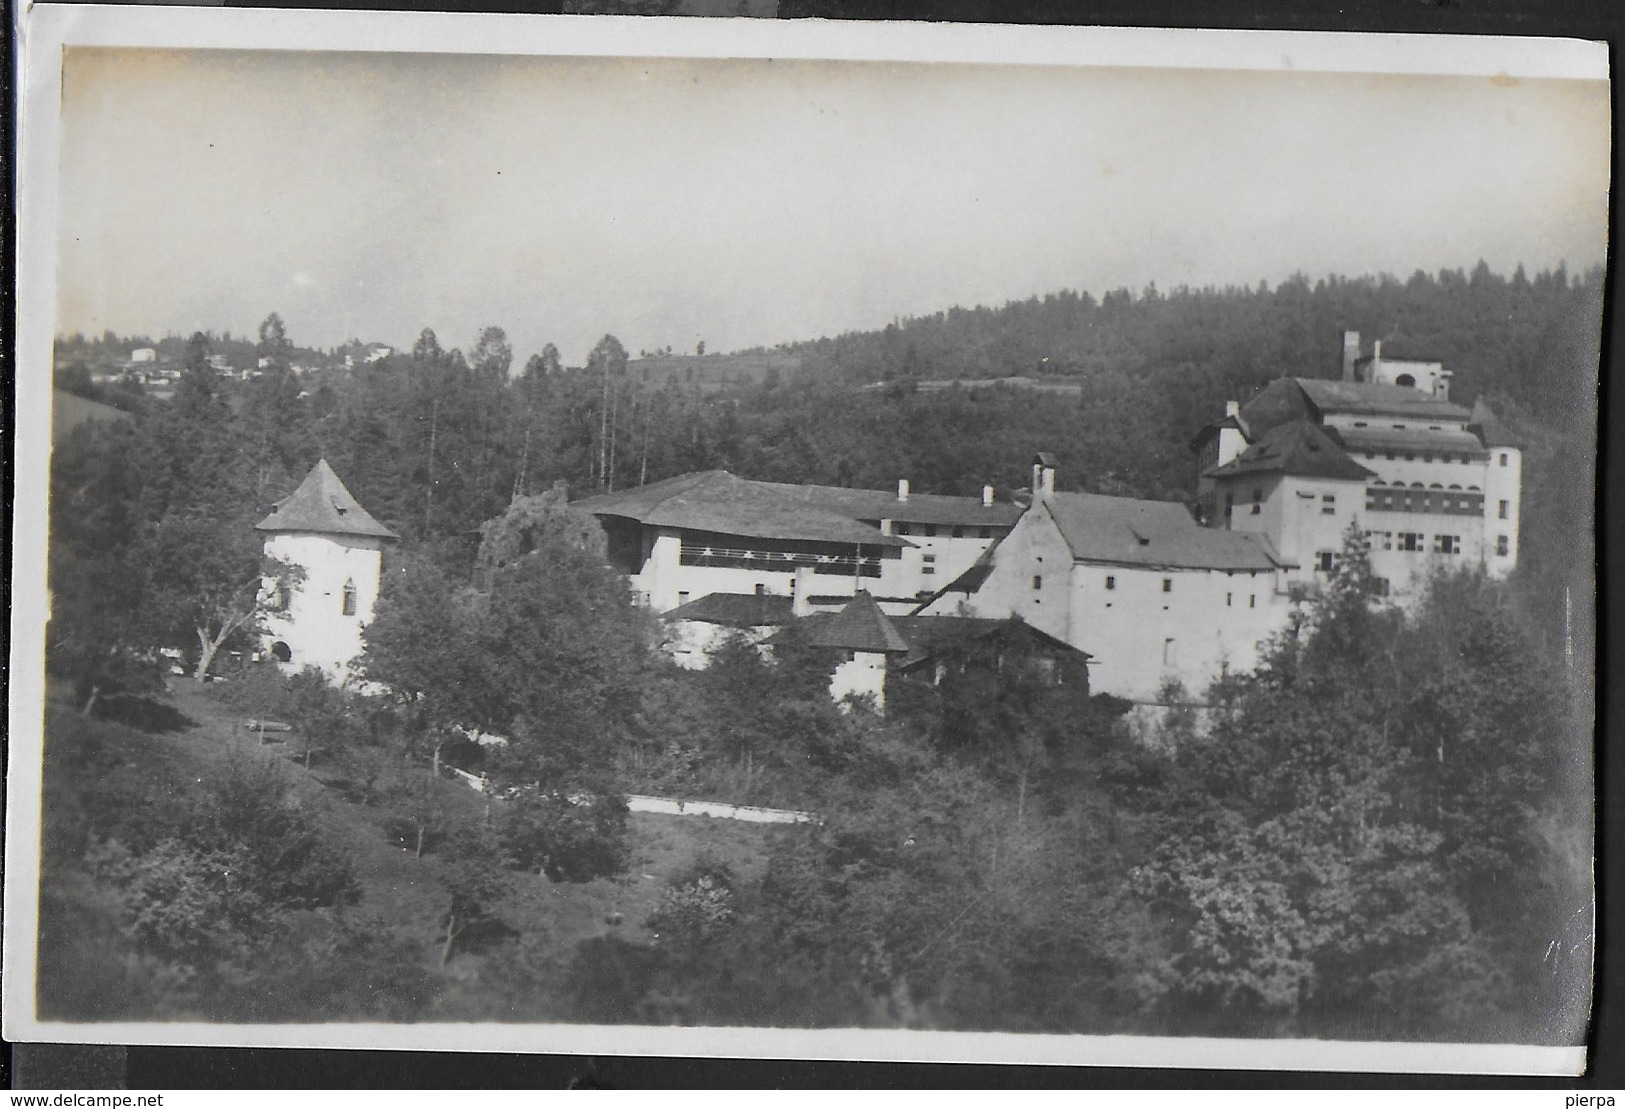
pixel 1431 484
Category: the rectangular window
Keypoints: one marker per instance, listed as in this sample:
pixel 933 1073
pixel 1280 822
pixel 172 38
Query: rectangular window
pixel 900 528
pixel 1503 546
pixel 1167 652
pixel 930 529
pixel 1167 585
pixel 958 532
pixel 1503 458
pixel 1324 561
pixel 349 598
pixel 682 596
pixel 928 564
pixel 1227 600
pixel 1038 581
pixel 1252 601
pixel 1389 455
pixel 1410 540
pixel 1446 544
pixel 1328 504
pixel 1111 582
pixel 1504 510
pixel 1258 501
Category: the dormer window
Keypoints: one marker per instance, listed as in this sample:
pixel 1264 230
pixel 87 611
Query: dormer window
pixel 349 598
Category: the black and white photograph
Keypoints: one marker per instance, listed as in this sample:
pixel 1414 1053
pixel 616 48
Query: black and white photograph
pixel 849 541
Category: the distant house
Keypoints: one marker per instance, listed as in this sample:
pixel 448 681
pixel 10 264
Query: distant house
pixel 942 647
pixel 143 355
pixel 69 411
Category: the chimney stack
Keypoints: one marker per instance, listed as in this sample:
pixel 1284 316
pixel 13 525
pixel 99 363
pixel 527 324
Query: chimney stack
pixel 1351 353
pixel 1442 388
pixel 902 489
pixel 1232 408
pixel 1043 477
pixel 987 496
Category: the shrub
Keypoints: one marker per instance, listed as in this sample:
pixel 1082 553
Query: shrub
pixel 570 838
pixel 697 906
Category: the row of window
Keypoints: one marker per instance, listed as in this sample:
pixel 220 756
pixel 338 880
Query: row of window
pixel 738 558
pixel 1417 542
pixel 281 598
pixel 1467 504
pixel 958 531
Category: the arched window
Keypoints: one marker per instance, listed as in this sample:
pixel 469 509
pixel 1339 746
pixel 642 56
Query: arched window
pixel 280 652
pixel 1405 379
pixel 349 598
pixel 1455 486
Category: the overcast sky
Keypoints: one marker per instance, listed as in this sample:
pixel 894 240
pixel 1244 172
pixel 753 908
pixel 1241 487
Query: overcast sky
pixel 746 202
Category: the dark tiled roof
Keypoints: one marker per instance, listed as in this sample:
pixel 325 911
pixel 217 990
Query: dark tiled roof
pixel 1488 427
pixel 717 501
pixel 1411 439
pixel 1298 449
pixel 928 636
pixel 1130 532
pixel 736 610
pixel 1377 400
pixel 860 626
pixel 323 504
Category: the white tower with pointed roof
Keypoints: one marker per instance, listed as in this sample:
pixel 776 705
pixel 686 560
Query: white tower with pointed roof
pixel 323 530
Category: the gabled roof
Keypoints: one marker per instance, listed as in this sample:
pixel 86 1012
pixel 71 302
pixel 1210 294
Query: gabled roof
pixel 1488 427
pixel 1294 398
pixel 1377 400
pixel 736 610
pixel 930 636
pixel 1296 449
pixel 322 504
pixel 717 501
pixel 1130 532
pixel 860 626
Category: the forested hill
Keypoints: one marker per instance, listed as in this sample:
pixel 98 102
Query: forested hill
pixel 1509 336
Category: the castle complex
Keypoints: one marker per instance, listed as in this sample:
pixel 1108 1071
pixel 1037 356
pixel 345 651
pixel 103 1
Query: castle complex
pixel 1159 598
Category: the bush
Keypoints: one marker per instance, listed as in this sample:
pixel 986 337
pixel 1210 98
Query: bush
pixel 570 838
pixel 697 906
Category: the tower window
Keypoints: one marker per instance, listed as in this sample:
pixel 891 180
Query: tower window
pixel 1504 510
pixel 1503 458
pixel 1503 546
pixel 1111 582
pixel 1167 585
pixel 349 598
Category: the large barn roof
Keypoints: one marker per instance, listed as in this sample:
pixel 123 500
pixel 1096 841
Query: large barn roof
pixel 717 501
pixel 322 504
pixel 1131 532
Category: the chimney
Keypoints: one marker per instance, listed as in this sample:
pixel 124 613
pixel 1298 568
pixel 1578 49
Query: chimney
pixel 1441 388
pixel 1231 441
pixel 1043 477
pixel 801 590
pixel 902 489
pixel 987 496
pixel 1376 357
pixel 1351 353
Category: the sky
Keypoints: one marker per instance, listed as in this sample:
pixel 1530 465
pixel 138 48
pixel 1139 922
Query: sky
pixel 753 202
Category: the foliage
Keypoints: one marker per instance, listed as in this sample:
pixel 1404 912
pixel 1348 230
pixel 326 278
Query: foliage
pixel 570 838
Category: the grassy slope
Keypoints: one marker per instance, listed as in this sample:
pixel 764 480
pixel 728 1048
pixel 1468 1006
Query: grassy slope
pixel 410 892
